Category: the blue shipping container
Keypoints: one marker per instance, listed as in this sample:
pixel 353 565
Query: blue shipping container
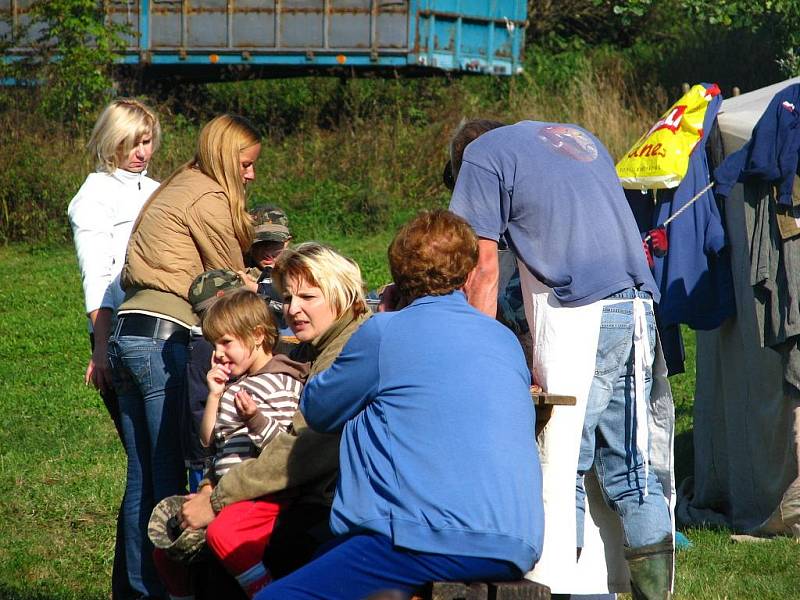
pixel 280 36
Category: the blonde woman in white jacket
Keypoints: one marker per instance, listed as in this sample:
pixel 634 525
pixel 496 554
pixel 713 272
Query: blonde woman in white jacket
pixel 102 215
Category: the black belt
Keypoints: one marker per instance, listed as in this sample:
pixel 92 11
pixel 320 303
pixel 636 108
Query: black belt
pixel 140 325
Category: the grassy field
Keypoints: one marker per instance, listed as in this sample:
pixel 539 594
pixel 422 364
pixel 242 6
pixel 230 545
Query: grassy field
pixel 62 467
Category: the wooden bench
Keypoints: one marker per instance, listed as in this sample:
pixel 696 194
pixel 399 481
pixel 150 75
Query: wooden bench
pixel 545 402
pixel 506 590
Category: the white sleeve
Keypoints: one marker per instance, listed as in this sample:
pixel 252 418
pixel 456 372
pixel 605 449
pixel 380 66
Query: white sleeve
pixel 93 231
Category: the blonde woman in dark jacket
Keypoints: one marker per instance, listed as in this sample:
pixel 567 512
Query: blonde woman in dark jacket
pixel 324 305
pixel 194 222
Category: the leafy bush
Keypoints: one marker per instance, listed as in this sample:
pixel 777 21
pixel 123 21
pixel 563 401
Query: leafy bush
pixel 352 157
pixel 38 172
pixel 345 159
pixel 73 51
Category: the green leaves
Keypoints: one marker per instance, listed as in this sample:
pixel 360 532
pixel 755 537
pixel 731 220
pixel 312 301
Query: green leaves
pixel 73 56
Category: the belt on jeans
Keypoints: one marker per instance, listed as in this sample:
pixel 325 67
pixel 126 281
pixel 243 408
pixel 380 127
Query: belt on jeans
pixel 630 294
pixel 140 325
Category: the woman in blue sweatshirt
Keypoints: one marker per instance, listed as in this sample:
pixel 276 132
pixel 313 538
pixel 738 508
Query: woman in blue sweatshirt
pixel 439 469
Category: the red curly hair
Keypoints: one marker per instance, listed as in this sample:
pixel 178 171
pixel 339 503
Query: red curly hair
pixel 432 255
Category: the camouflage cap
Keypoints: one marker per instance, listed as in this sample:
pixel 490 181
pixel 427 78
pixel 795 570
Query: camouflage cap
pixel 270 224
pixel 182 545
pixel 210 285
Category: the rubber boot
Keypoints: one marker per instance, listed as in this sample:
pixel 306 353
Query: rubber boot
pixel 651 570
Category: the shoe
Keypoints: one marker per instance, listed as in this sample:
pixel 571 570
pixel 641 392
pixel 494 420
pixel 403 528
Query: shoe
pixel 651 571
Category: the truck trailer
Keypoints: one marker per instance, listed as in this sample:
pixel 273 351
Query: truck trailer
pixel 207 39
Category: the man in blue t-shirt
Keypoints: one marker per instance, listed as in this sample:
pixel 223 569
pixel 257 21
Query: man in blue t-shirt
pixel 551 192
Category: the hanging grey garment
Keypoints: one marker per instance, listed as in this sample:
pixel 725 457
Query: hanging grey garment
pixel 775 277
pixel 746 422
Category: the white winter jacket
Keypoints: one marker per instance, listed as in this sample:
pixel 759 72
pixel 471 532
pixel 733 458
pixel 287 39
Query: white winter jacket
pixel 102 215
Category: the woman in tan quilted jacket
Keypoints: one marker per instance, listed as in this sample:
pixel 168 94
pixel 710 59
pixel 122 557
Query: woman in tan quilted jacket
pixel 195 221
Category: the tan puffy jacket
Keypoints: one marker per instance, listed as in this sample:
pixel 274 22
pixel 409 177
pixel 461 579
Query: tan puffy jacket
pixel 185 230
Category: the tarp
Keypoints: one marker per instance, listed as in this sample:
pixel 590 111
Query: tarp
pixel 746 425
pixel 739 114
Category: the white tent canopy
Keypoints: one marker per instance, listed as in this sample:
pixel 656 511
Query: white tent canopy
pixel 739 114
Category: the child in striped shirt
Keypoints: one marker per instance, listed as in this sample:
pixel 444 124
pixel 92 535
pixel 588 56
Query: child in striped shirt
pixel 242 417
pixel 252 397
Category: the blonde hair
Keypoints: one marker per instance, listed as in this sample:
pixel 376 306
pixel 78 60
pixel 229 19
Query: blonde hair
pixel 219 145
pixel 118 129
pixel 338 277
pixel 242 314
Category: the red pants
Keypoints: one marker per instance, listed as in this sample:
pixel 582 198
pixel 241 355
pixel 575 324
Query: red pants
pixel 237 536
pixel 241 532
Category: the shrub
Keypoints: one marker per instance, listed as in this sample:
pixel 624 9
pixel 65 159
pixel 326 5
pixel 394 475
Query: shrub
pixel 73 53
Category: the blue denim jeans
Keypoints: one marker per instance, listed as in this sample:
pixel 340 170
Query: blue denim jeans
pixel 148 377
pixel 608 442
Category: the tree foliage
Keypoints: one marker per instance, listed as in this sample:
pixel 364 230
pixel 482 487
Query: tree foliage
pixel 625 23
pixel 74 49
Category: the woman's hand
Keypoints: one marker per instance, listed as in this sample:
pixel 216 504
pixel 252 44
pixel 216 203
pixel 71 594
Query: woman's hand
pixel 217 377
pixel 98 370
pixel 245 405
pixel 197 511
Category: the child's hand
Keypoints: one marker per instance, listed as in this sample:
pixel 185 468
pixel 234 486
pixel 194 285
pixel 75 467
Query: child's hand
pixel 245 405
pixel 249 281
pixel 217 377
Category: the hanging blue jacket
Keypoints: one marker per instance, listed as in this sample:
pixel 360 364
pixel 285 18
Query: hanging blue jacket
pixel 438 447
pixel 773 152
pixel 694 277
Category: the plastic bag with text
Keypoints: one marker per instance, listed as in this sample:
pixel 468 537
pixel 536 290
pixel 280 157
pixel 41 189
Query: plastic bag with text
pixel 660 158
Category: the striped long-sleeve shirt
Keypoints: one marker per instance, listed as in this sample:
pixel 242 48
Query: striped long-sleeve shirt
pixel 276 396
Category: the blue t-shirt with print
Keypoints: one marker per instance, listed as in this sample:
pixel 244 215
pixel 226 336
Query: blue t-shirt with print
pixel 552 190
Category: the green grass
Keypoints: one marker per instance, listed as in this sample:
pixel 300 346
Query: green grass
pixel 61 465
pixel 62 469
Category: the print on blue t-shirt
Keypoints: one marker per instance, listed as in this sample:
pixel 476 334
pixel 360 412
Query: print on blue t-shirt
pixel 553 191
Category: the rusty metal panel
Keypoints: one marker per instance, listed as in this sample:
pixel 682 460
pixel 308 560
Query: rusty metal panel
pixel 301 24
pixel 165 24
pixel 268 25
pixel 273 25
pixel 369 24
pixel 125 13
pixel 349 24
pixel 253 24
pixel 16 14
pixel 207 26
pixel 392 24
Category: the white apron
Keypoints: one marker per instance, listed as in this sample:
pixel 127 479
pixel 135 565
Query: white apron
pixel 564 354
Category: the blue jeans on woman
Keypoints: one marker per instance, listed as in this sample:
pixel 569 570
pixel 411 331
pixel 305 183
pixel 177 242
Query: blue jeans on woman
pixel 608 442
pixel 148 377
